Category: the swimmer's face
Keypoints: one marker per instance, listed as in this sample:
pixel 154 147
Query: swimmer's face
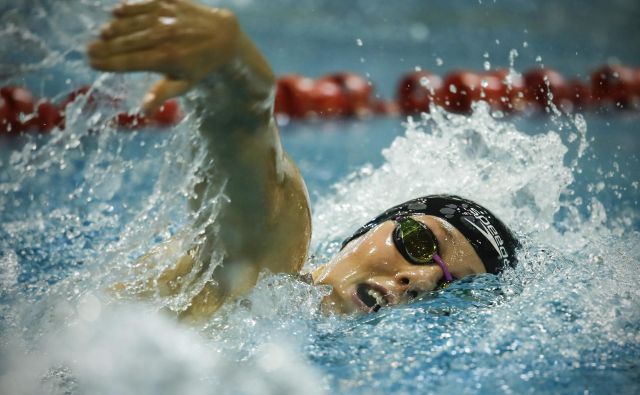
pixel 370 270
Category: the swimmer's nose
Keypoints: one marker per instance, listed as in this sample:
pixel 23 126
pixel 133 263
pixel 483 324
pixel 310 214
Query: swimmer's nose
pixel 413 282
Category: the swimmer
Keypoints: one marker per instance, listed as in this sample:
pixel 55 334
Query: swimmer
pixel 410 249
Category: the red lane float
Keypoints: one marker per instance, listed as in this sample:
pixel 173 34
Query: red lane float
pixel 168 114
pixel 19 111
pixel 616 85
pixel 504 90
pixel 546 86
pixel 416 91
pixel 461 88
pixel 580 96
pixel 357 92
pixel 494 91
pixel 18 108
pixel 5 115
pixel 48 117
pixel 534 90
pixel 327 99
pixel 334 95
pixel 293 96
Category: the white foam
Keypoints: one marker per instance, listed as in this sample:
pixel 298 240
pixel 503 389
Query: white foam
pixel 131 351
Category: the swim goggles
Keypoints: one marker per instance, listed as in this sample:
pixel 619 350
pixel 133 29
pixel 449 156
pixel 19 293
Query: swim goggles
pixel 417 244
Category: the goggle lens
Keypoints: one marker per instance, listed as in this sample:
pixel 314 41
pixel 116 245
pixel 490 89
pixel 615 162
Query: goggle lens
pixel 415 240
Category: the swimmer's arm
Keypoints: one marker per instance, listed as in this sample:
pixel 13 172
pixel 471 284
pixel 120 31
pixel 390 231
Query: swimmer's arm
pixel 267 223
pixel 268 218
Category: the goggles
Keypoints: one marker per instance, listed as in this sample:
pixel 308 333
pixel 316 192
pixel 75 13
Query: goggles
pixel 417 244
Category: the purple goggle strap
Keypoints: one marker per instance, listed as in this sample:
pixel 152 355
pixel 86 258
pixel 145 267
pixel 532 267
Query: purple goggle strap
pixel 443 266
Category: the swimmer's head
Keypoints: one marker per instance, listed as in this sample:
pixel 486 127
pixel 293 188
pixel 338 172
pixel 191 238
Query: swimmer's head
pixel 376 265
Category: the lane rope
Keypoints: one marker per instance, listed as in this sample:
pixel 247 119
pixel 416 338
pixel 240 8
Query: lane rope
pixel 346 95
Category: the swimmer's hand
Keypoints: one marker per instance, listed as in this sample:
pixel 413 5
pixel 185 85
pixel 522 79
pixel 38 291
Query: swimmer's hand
pixel 182 40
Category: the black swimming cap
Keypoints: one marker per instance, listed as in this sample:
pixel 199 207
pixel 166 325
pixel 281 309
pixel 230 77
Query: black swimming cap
pixel 494 243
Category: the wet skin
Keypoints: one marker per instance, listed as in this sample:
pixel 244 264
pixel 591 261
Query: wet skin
pixel 371 265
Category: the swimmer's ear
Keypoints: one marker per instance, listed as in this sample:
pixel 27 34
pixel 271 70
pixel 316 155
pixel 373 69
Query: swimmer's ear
pixel 162 90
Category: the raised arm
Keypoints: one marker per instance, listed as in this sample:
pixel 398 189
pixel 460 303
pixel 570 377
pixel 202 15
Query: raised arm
pixel 267 222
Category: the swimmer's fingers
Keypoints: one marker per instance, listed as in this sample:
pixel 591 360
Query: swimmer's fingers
pixel 147 18
pixel 132 8
pixel 163 90
pixel 158 39
pixel 120 27
pixel 121 45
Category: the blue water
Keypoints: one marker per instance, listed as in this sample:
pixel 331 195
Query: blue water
pixel 78 207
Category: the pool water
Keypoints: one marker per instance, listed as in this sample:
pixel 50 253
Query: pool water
pixel 77 208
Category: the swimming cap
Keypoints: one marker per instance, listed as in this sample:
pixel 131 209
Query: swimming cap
pixel 494 243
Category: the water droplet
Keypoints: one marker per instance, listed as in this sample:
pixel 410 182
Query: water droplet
pixel 419 32
pixel 513 54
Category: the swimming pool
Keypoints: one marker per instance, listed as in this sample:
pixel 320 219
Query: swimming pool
pixel 78 207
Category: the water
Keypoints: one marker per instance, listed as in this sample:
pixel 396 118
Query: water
pixel 78 207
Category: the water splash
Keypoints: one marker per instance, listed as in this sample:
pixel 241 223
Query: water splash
pixel 491 161
pixel 79 207
pixel 88 356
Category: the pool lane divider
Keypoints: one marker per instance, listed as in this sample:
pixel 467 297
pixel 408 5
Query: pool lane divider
pixel 349 95
pixel 21 112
